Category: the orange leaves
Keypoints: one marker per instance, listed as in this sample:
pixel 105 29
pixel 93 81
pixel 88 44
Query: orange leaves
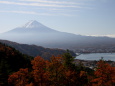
pixel 31 84
pixel 82 73
pixel 19 78
pixel 70 76
pixel 46 73
pixel 104 75
pixel 38 63
pixel 39 71
pixel 55 63
pixel 55 70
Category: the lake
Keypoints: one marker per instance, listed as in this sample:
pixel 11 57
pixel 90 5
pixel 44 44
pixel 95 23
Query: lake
pixel 97 56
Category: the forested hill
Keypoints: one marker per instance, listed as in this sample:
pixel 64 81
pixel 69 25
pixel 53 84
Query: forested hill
pixel 17 69
pixel 33 50
pixel 11 60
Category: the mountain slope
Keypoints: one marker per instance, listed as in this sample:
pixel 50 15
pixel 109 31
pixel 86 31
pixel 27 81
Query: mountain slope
pixel 33 50
pixel 36 33
pixel 11 61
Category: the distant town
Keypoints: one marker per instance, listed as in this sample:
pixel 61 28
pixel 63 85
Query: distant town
pixel 109 49
pixel 92 64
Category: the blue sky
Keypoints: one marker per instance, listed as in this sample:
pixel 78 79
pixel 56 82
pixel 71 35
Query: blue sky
pixel 85 17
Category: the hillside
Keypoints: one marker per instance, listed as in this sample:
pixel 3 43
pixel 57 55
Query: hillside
pixel 11 60
pixel 33 50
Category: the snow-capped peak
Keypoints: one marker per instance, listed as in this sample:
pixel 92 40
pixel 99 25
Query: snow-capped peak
pixel 33 24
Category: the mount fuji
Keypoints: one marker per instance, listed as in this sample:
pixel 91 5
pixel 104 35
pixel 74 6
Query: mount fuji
pixel 31 27
pixel 36 33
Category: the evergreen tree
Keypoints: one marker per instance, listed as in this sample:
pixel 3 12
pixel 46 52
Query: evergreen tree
pixel 68 60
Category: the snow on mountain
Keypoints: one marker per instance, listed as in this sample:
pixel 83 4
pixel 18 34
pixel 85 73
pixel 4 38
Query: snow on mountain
pixel 33 24
pixel 31 27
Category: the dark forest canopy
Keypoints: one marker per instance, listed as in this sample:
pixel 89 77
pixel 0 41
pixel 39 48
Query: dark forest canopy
pixel 11 60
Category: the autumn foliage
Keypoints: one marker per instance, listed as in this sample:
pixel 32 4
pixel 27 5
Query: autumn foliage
pixel 104 75
pixel 19 78
pixel 58 72
pixel 39 71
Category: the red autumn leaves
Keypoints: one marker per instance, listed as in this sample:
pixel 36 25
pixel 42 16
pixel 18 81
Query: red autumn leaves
pixel 55 73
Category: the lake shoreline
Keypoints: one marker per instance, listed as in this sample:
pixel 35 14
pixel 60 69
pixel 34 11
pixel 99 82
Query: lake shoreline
pixel 96 56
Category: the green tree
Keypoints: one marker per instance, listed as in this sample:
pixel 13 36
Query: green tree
pixel 68 60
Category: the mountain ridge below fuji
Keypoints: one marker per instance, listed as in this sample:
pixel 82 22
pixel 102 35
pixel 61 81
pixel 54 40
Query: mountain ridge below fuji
pixel 33 50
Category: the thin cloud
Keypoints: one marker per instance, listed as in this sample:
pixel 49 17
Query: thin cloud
pixel 54 9
pixel 39 4
pixel 86 0
pixel 50 8
pixel 36 13
pixel 59 9
pixel 47 1
pixel 112 35
pixel 25 12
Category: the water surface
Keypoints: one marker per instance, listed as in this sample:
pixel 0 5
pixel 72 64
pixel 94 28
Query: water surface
pixel 97 56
